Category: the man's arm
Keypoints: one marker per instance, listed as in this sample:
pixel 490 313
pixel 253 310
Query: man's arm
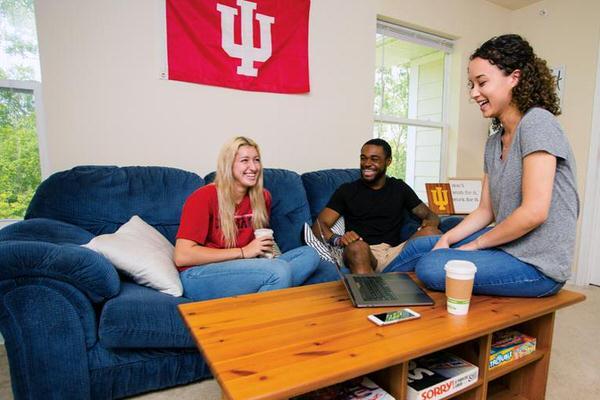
pixel 429 221
pixel 327 218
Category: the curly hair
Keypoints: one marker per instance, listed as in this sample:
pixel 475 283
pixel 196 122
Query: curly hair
pixel 536 87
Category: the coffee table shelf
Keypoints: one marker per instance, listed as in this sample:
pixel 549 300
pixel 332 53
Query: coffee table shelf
pixel 280 344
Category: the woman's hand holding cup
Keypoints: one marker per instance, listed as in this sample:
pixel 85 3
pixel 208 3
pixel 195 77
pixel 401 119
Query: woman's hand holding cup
pixel 259 247
pixel 264 242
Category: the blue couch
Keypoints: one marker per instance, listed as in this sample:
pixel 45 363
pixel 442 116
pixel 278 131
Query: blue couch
pixel 74 328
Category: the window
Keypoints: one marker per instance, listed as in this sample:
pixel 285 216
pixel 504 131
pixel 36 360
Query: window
pixel 21 139
pixel 410 83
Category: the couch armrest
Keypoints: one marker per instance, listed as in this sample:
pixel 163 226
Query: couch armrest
pixel 48 317
pixel 85 269
pixel 48 326
pixel 45 230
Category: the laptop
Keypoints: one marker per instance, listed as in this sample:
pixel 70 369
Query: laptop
pixel 379 290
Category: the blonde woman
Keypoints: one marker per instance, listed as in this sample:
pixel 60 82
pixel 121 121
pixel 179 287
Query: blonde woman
pixel 216 250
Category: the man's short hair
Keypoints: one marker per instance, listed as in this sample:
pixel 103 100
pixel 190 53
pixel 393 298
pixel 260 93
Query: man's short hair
pixel 380 142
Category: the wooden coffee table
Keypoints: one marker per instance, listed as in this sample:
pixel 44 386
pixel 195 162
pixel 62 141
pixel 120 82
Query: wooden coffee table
pixel 283 343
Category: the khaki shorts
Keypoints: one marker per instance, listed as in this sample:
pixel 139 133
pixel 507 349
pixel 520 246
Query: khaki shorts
pixel 384 254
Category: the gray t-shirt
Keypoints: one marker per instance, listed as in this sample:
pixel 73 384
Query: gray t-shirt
pixel 550 246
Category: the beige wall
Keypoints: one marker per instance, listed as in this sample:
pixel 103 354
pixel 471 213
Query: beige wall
pixel 569 35
pixel 106 105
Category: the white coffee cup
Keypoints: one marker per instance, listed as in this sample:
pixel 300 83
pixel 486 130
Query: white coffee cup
pixel 268 233
pixel 460 275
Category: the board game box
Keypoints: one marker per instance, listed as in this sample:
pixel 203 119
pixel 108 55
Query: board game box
pixel 439 375
pixel 354 389
pixel 510 345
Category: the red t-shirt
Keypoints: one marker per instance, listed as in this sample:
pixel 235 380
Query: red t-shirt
pixel 200 219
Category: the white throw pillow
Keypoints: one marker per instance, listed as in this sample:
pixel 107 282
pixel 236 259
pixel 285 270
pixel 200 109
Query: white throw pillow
pixel 141 252
pixel 322 249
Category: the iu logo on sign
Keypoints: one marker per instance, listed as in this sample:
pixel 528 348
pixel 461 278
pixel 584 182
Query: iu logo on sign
pixel 259 45
pixel 246 50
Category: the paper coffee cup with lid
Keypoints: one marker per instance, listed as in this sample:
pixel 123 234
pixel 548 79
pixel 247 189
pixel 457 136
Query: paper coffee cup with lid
pixel 460 275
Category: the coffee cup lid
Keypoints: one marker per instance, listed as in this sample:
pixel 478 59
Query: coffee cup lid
pixel 460 267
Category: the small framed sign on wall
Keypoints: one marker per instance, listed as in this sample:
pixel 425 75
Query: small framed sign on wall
pixel 439 197
pixel 466 194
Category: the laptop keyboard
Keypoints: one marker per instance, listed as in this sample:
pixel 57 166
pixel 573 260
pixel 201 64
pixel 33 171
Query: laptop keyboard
pixel 374 288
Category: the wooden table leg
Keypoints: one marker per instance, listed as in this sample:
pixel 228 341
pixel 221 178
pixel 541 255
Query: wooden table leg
pixel 536 374
pixel 394 380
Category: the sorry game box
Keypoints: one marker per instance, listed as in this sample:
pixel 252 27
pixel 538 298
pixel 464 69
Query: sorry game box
pixel 439 375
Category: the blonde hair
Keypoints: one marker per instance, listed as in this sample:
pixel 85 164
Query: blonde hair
pixel 224 182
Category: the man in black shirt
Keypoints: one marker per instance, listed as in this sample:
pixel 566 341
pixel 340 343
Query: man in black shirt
pixel 373 208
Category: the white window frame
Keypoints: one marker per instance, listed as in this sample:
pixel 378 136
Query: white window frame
pixel 437 42
pixel 34 88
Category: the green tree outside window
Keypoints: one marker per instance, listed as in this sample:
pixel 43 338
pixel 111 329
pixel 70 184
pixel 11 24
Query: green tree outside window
pixel 19 154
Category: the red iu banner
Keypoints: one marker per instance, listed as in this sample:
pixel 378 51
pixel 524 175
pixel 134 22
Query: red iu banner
pixel 259 45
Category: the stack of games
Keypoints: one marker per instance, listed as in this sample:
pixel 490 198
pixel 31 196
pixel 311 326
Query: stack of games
pixel 510 345
pixel 439 375
pixel 354 389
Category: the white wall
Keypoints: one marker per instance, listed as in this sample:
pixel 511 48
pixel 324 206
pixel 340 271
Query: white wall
pixel 105 103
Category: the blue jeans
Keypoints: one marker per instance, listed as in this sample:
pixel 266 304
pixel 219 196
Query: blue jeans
pixel 498 273
pixel 235 277
pixel 326 272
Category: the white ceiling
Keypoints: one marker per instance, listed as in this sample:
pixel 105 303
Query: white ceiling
pixel 514 4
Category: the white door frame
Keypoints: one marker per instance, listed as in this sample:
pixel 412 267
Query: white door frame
pixel 589 237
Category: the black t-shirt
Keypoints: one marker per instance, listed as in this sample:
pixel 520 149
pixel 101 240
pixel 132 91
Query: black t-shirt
pixel 376 215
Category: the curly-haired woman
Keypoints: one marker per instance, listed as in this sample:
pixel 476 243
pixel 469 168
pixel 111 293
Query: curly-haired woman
pixel 529 187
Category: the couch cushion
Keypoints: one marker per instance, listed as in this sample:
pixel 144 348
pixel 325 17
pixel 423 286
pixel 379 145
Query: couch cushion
pixel 100 199
pixel 140 317
pixel 320 185
pixel 289 209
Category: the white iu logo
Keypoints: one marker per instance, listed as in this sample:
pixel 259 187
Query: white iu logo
pixel 246 51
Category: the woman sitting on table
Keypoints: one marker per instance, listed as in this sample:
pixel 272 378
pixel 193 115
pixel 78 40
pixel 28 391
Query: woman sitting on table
pixel 529 186
pixel 216 250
